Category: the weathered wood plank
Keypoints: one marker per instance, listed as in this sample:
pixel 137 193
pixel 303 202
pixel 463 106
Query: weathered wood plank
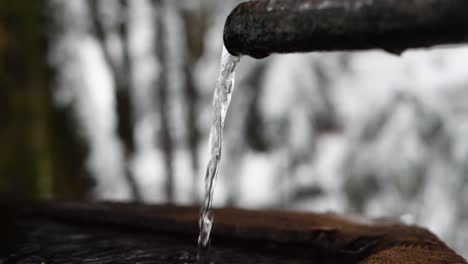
pixel 104 233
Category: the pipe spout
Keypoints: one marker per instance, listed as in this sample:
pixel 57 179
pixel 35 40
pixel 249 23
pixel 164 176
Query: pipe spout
pixel 262 27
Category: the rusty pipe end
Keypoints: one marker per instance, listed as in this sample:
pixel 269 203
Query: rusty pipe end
pixel 235 38
pixel 262 27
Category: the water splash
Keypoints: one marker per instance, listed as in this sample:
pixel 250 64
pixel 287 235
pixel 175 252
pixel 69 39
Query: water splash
pixel 221 101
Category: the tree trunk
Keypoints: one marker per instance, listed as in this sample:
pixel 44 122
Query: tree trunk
pixel 162 99
pixel 41 154
pixel 25 158
pixel 194 24
pixel 122 78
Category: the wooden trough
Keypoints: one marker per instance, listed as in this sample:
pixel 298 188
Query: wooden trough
pixel 130 233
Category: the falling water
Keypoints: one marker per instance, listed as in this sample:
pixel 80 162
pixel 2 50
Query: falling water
pixel 221 101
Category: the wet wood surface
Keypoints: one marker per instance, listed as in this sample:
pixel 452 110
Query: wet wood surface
pixel 262 27
pixel 130 233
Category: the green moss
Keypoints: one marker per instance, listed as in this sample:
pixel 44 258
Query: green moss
pixel 24 156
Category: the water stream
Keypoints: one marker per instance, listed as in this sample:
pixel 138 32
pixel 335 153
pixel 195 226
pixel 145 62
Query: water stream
pixel 221 101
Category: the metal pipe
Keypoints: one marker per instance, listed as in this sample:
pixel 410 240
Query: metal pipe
pixel 260 28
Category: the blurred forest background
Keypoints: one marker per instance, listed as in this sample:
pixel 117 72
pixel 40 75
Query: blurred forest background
pixel 107 99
